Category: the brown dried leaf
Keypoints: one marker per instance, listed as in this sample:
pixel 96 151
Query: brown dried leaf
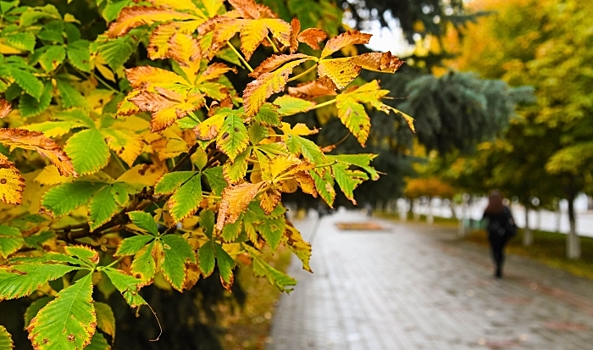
pixel 166 111
pixel 148 75
pixel 5 108
pixel 246 8
pixel 275 61
pixel 296 28
pixel 320 87
pixel 312 37
pixel 350 37
pixel 306 182
pixel 378 61
pixel 235 200
pixel 35 140
pixel 270 200
pixel 12 184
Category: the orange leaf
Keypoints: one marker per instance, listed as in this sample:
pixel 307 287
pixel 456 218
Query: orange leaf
pixel 351 37
pixel 246 8
pixel 132 17
pixel 186 51
pixel 224 29
pixel 296 28
pixel 379 61
pixel 275 61
pixel 306 182
pixel 312 37
pixel 341 71
pixel 159 39
pixel 214 71
pixel 235 200
pixel 166 111
pixel 4 108
pixel 320 87
pixel 256 92
pixel 12 183
pixel 269 200
pixel 35 140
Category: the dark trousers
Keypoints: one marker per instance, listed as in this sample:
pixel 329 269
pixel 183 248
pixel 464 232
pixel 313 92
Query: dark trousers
pixel 497 243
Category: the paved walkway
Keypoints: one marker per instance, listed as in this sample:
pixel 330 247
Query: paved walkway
pixel 415 286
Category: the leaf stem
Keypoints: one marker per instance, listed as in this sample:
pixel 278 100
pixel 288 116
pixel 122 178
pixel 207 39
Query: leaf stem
pixel 238 54
pixel 302 74
pixel 272 43
pixel 323 104
pixel 185 158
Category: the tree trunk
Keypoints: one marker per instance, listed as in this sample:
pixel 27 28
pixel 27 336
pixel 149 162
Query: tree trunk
pixel 429 215
pixel 527 234
pixel 453 212
pixel 416 210
pixel 573 244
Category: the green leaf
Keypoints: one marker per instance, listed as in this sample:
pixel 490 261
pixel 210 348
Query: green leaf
pixel 268 115
pixel 52 32
pixel 206 260
pixel 79 56
pixel 144 265
pixel 127 286
pixel 361 160
pixel 132 245
pixel 290 105
pixel 34 308
pixel 207 218
pixel 5 339
pixel 84 253
pixel 225 265
pixel 121 193
pixel 145 221
pixel 105 318
pixel 112 9
pixel 271 231
pixel 257 133
pixel 102 207
pixel 98 342
pixel 68 321
pixel 6 6
pixel 52 57
pixel 76 115
pixel 177 252
pixel 354 117
pixel 276 278
pixel 171 182
pixel 72 32
pixel 324 184
pixel 232 138
pixel 186 200
pixel 65 198
pixel 70 96
pixel 117 51
pixel 53 128
pixel 348 180
pixel 299 145
pixel 230 232
pixel 215 180
pixel 36 240
pixel 235 171
pixel 21 41
pixel 27 81
pixel 88 151
pixel 33 14
pixel 11 240
pixel 31 107
pixel 28 278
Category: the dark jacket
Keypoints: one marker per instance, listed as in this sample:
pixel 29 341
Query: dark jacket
pixel 501 223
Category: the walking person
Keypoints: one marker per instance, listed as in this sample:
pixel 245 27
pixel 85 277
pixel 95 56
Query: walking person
pixel 501 227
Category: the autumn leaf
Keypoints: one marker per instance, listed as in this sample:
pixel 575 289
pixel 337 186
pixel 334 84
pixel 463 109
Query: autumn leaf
pixel 235 200
pixel 139 76
pixel 159 43
pixel 132 17
pixel 166 109
pixel 275 61
pixel 186 51
pixel 38 142
pixel 320 87
pixel 312 37
pixel 351 37
pixel 378 61
pixel 256 92
pixel 4 108
pixel 12 183
pixel 341 71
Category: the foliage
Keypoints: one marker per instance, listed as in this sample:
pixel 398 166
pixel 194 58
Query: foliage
pixel 162 171
pixel 428 187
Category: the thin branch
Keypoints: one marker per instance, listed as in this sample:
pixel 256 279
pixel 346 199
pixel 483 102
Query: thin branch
pixel 300 75
pixel 240 56
pixel 185 158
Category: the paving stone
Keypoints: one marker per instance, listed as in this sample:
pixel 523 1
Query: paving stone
pixel 415 286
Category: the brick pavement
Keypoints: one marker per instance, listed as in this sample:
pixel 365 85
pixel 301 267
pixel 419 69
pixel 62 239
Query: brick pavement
pixel 416 286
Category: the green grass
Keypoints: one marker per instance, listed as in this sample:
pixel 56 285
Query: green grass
pixel 248 327
pixel 548 247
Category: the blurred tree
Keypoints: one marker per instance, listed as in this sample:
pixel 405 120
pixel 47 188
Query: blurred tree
pixel 547 44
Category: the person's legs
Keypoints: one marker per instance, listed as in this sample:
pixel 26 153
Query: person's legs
pixel 497 246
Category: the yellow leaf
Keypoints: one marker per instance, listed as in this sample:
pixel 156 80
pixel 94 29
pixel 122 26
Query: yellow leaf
pixel 299 129
pixel 186 51
pixel 235 200
pixel 132 17
pixel 281 164
pixel 5 108
pixel 256 92
pixel 306 182
pixel 37 141
pixel 144 174
pixel 159 39
pixel 275 61
pixel 214 71
pixel 179 5
pixel 126 144
pixel 270 200
pixel 342 71
pixel 253 32
pixel 350 37
pixel 212 6
pixel 209 128
pixel 50 176
pixel 139 77
pixel 12 183
pixel 165 111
